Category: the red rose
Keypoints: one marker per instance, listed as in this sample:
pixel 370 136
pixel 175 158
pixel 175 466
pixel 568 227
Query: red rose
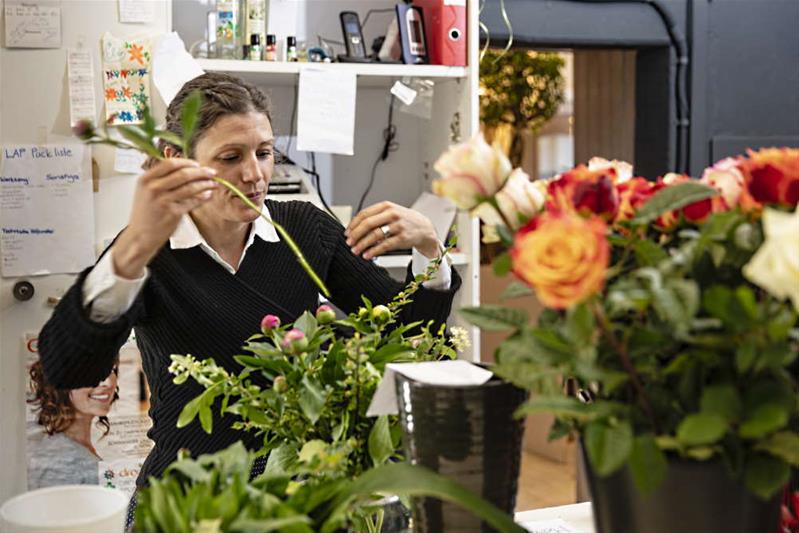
pixel 772 177
pixel 586 192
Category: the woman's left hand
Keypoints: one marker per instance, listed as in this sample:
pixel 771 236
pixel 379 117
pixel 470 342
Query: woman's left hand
pixel 387 226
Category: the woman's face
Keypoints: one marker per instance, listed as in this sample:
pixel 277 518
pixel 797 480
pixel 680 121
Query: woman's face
pixel 95 401
pixel 241 149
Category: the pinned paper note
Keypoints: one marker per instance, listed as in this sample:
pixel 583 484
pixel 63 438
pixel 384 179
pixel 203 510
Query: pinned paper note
pixel 549 526
pixel 126 78
pixel 46 209
pixel 136 11
pixel 32 24
pixel 173 66
pixel 80 73
pixel 326 111
pixel 403 92
pixel 456 373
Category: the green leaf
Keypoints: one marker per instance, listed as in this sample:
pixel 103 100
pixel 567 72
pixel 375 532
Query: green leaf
pixel 516 289
pixel 307 324
pixel 647 463
pixel 784 445
pixel 765 419
pixel 206 418
pixel 494 317
pixel 389 353
pixel 502 264
pixel 648 253
pixel 265 525
pixel 408 480
pixel 281 460
pixel 380 445
pixel 721 400
pixel 312 399
pixel 566 406
pixel 701 428
pixel 190 410
pixel 189 118
pixel 766 476
pixel 745 356
pixel 313 449
pixel 608 447
pixel 580 325
pixel 673 198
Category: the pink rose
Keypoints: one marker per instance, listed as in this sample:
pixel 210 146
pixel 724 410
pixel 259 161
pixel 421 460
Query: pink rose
pixel 726 178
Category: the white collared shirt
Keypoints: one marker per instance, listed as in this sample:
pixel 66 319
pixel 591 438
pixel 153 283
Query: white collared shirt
pixel 110 295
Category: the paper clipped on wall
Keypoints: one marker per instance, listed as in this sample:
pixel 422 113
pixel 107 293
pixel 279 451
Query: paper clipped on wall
pixel 326 111
pixel 172 66
pixel 32 24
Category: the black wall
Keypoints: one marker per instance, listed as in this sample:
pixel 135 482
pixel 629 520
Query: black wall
pixel 742 79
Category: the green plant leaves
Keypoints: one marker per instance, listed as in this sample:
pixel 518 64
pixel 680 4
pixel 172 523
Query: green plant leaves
pixel 380 443
pixel 673 198
pixel 312 399
pixel 608 446
pixel 721 400
pixel 701 428
pixel 502 264
pixel 765 419
pixel 189 118
pixel 765 475
pixel 647 463
pixel 784 445
pixel 516 289
pixel 494 317
pixel 408 480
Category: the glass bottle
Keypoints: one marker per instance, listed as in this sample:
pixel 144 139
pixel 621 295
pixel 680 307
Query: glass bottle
pixel 227 29
pixel 291 48
pixel 255 48
pixel 255 19
pixel 270 52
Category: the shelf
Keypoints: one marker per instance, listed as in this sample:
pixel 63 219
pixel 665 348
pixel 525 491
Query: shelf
pixel 369 74
pixel 401 261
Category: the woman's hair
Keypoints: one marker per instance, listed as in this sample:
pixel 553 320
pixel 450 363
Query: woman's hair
pixel 56 412
pixel 222 95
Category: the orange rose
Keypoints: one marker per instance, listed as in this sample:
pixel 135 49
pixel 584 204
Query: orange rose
pixel 632 195
pixel 771 176
pixel 586 191
pixel 564 257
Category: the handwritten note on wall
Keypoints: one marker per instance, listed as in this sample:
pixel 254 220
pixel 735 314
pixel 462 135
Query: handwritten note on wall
pixel 81 85
pixel 326 111
pixel 32 24
pixel 46 210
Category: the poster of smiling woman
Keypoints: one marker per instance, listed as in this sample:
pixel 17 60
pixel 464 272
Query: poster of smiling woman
pixel 90 435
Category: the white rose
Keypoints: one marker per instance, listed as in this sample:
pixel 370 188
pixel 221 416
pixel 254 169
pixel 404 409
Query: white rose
pixel 725 177
pixel 519 200
pixel 775 266
pixel 624 170
pixel 471 172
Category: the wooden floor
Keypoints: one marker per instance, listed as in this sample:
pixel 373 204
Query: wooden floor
pixel 545 483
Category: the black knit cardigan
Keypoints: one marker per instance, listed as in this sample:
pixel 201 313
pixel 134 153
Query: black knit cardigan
pixel 191 305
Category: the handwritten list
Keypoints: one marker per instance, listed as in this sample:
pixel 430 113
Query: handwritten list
pixel 32 24
pixel 46 209
pixel 81 85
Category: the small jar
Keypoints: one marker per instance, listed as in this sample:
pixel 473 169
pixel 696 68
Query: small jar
pixel 255 47
pixel 270 52
pixel 291 48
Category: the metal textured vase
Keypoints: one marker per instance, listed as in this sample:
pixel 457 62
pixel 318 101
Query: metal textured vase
pixel 696 497
pixel 468 434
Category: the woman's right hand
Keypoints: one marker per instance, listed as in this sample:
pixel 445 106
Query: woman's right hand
pixel 164 193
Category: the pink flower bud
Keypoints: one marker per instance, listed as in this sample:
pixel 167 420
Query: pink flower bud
pixel 83 129
pixel 269 323
pixel 325 314
pixel 295 341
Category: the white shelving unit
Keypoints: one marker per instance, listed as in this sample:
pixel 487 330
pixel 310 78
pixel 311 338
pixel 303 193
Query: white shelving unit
pixel 408 171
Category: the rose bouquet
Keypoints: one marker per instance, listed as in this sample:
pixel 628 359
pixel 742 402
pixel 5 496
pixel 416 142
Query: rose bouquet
pixel 670 307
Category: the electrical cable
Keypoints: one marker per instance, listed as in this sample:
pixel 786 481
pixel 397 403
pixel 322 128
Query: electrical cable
pixel 389 145
pixel 678 43
pixel 318 184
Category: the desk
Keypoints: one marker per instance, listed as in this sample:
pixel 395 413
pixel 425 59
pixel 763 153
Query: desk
pixel 579 516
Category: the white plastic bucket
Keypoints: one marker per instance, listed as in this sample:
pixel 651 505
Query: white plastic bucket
pixel 66 509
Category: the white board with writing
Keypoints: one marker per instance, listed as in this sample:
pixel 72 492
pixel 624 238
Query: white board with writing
pixel 33 24
pixel 46 210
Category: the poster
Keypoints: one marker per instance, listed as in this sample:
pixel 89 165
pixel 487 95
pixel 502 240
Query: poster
pixel 46 209
pixel 93 435
pixel 126 79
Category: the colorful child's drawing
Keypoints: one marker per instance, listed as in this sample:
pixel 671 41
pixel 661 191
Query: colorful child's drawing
pixel 126 78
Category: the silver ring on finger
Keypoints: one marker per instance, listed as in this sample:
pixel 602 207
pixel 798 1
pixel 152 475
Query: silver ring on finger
pixel 386 229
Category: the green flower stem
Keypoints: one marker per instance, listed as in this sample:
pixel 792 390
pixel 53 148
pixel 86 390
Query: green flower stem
pixel 283 233
pixel 495 204
pixel 607 330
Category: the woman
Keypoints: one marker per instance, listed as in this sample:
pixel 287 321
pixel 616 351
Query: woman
pixel 195 270
pixel 63 452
